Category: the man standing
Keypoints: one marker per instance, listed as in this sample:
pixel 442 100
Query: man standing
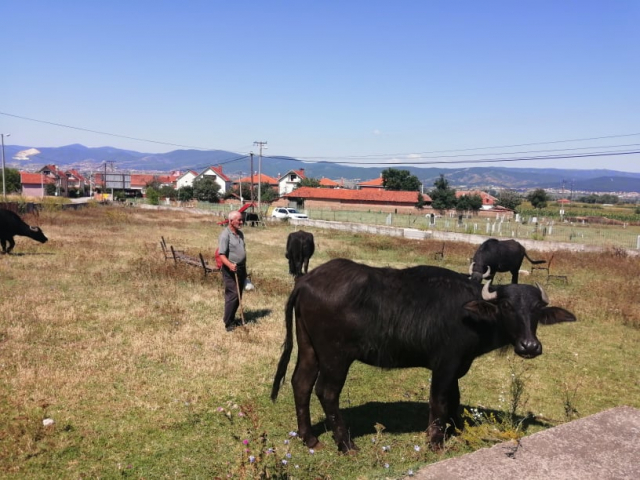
pixel 234 269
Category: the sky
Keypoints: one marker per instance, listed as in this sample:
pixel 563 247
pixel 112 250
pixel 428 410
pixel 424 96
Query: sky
pixel 527 84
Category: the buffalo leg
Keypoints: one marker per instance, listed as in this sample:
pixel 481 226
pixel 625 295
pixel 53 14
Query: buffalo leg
pixel 444 394
pixel 306 265
pixel 453 406
pixel 328 389
pixel 514 275
pixel 303 378
pixel 3 242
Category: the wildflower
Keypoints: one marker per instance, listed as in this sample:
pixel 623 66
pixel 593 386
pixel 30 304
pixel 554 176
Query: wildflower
pixel 241 414
pixel 220 409
pixel 288 455
pixel 312 451
pixel 252 459
pixel 416 448
pixel 284 462
pixel 269 450
pixel 410 472
pixel 386 465
pixel 293 434
pixel 297 466
pixel 286 442
pixel 373 439
pixel 245 441
pixel 386 448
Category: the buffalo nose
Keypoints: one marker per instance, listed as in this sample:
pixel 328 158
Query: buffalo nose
pixel 528 348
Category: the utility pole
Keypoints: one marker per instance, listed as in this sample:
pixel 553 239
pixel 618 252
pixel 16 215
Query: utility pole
pixel 4 188
pixel 260 144
pixel 251 188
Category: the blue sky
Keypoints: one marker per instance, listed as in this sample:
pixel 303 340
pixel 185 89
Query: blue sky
pixel 349 81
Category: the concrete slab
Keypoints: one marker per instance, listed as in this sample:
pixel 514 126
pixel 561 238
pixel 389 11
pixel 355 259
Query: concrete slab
pixel 602 446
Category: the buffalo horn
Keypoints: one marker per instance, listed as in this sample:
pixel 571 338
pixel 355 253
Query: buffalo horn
pixel 35 229
pixel 471 268
pixel 488 274
pixel 486 294
pixel 545 298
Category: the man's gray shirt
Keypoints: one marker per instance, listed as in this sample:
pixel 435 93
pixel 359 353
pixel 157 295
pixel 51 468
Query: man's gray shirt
pixel 232 246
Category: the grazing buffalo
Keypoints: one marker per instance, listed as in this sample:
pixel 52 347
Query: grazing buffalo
pixel 249 217
pixel 300 248
pixel 495 256
pixel 422 316
pixel 11 225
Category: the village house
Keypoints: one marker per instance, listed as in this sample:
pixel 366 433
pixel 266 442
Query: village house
pixel 34 184
pixel 343 199
pixel 328 183
pixel 377 183
pixel 290 181
pixel 218 177
pixel 488 201
pixel 186 179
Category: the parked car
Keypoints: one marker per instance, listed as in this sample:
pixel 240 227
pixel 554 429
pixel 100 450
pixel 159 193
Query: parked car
pixel 282 212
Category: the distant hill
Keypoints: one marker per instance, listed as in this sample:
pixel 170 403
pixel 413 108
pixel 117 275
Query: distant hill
pixel 88 159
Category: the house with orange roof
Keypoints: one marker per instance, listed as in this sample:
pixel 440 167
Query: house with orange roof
pixel 186 179
pixel 375 183
pixel 218 177
pixel 290 181
pixel 34 184
pixel 488 201
pixel 328 183
pixel 59 179
pixel 344 199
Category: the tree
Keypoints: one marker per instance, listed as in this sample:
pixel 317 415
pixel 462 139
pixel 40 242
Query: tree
pixel 309 182
pixel 421 201
pixel 538 198
pixel 185 193
pixel 12 180
pixel 469 202
pixel 267 193
pixel 206 189
pixel 153 196
pixel 394 179
pixel 443 197
pixel 168 192
pixel 509 199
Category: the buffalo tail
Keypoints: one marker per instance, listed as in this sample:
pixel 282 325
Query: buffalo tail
pixel 287 346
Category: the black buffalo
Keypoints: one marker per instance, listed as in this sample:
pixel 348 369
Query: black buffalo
pixel 495 256
pixel 300 248
pixel 249 217
pixel 12 225
pixel 422 316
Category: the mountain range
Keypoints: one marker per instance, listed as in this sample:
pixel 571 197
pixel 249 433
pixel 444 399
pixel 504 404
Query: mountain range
pixel 85 159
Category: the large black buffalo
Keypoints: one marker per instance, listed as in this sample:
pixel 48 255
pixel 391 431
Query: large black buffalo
pixel 300 248
pixel 422 316
pixel 495 256
pixel 12 225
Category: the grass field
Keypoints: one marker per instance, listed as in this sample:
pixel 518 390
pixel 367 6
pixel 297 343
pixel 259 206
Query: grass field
pixel 127 355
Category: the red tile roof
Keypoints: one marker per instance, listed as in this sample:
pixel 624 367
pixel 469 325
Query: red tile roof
pixel 486 198
pixel 262 179
pixel 367 195
pixel 34 178
pixel 327 182
pixel 376 182
pixel 218 171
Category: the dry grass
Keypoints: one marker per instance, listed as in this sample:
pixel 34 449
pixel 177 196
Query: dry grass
pixel 128 354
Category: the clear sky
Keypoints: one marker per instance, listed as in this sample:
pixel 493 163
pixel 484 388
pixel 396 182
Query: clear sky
pixel 405 81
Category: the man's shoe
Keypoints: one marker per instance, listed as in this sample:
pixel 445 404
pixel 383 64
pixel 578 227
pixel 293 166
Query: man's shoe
pixel 230 328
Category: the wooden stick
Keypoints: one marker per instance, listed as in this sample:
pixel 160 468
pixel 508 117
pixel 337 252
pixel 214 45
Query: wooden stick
pixel 239 297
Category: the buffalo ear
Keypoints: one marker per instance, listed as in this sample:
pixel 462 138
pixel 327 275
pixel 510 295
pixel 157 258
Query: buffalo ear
pixel 553 315
pixel 481 310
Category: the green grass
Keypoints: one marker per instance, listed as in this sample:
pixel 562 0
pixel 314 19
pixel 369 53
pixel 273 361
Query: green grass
pixel 128 355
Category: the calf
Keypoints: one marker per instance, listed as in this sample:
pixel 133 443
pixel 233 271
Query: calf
pixel 11 225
